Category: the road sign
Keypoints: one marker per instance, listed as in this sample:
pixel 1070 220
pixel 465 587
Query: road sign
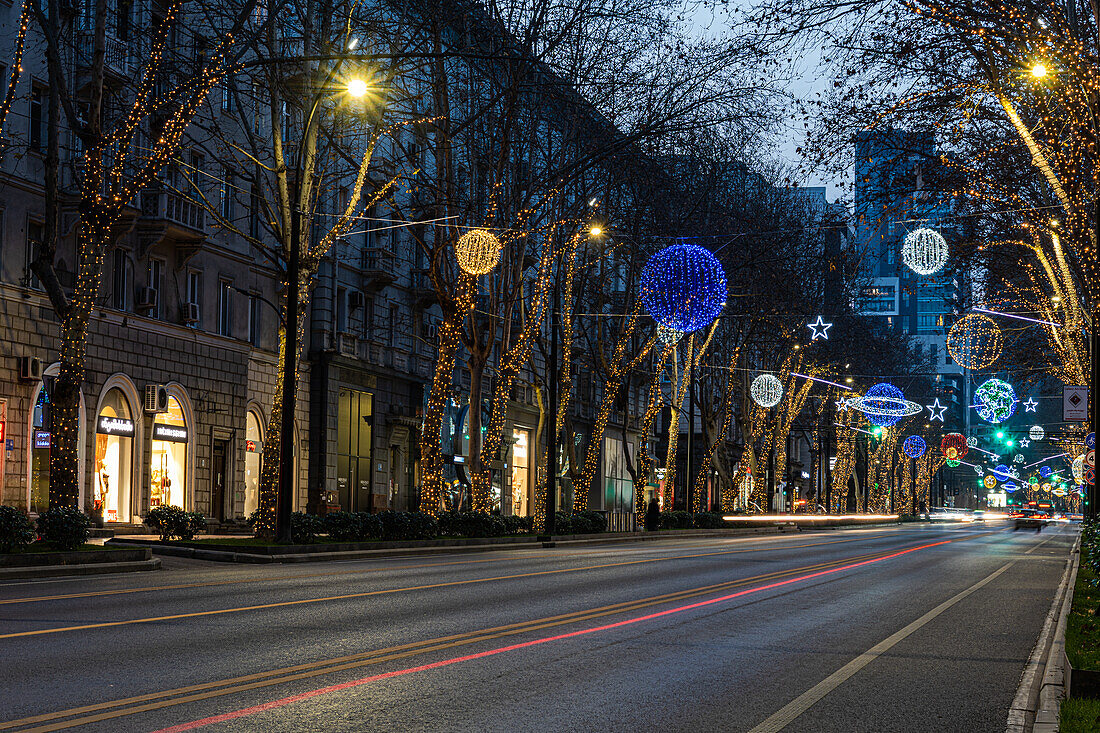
pixel 1075 403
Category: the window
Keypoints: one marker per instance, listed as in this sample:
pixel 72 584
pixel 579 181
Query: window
pixel 194 295
pixel 123 280
pixel 229 89
pixel 341 310
pixel 122 19
pixel 37 136
pixel 34 246
pixel 156 282
pixel 254 319
pixel 934 352
pixel 368 316
pixel 879 299
pixel 393 325
pixel 224 291
pixel 227 195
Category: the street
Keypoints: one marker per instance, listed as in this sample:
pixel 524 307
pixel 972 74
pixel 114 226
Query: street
pixel 742 633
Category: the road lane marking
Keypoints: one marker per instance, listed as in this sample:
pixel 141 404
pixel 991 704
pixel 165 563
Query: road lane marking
pixel 376 656
pixel 786 715
pixel 179 586
pixel 245 712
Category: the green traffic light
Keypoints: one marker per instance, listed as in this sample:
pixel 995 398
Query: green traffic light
pixel 1009 444
pixel 1000 434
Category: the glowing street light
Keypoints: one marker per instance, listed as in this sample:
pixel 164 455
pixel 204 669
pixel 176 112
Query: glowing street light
pixel 1038 71
pixel 357 88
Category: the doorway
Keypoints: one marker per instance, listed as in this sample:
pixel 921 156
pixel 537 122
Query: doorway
pixel 217 478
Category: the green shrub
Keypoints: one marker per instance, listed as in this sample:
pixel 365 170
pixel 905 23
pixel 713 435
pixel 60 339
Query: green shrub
pixel 708 520
pixel 563 523
pixel 589 522
pixel 172 521
pixel 675 520
pixel 472 524
pixel 64 527
pixel 514 524
pixel 344 526
pixel 304 528
pixel 16 529
pixel 370 526
pixel 407 525
pixel 422 526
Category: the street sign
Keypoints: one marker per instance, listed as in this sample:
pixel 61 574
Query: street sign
pixel 1075 403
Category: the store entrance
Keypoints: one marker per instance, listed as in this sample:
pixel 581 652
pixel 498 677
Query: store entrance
pixel 217 488
pixel 353 450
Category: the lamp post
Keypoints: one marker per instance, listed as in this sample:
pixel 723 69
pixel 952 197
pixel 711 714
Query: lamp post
pixel 290 321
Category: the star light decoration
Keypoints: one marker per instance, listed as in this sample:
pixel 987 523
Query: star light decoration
pixel 924 251
pixel 1030 404
pixel 975 341
pixel 935 410
pixel 996 401
pixel 1025 442
pixel 766 390
pixel 819 329
pixel 478 252
pixel 683 286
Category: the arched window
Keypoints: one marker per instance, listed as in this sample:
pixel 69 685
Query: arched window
pixel 114 456
pixel 168 467
pixel 253 461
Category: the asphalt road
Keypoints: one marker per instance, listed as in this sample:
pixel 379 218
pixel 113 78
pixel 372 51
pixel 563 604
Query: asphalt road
pixel 914 628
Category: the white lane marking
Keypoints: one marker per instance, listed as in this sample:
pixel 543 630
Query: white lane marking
pixel 785 715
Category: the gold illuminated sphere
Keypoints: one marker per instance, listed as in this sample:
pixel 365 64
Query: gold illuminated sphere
pixel 478 252
pixel 975 341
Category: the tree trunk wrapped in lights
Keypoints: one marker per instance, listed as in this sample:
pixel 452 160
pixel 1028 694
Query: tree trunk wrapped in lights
pixel 845 459
pixel 673 427
pixel 720 437
pixel 647 462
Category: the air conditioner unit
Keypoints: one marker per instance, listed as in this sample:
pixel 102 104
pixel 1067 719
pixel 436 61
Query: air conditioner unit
pixel 355 300
pixel 30 368
pixel 147 298
pixel 156 398
pixel 190 313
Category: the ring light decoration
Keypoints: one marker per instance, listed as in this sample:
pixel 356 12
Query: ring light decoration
pixel 1036 432
pixel 972 442
pixel 996 401
pixel 914 446
pixel 683 286
pixel 766 390
pixel 1003 473
pixel 978 470
pixel 884 404
pixel 975 341
pixel 924 251
pixel 478 252
pixel 954 447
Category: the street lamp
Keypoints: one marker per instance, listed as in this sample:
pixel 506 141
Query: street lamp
pixel 1039 71
pixel 357 88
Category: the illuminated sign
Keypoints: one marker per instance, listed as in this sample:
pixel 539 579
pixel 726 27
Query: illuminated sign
pixel 2 426
pixel 115 426
pixel 171 433
pixel 41 438
pixel 253 446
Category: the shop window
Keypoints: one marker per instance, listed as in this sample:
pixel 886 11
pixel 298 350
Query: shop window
pixel 40 453
pixel 521 474
pixel 114 448
pixel 253 462
pixel 168 467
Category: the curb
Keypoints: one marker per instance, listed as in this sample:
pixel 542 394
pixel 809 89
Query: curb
pixel 1042 686
pixel 98 568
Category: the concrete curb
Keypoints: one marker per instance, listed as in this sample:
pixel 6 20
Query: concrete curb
pixel 97 568
pixel 1042 686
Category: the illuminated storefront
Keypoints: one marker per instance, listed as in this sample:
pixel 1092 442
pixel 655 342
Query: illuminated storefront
pixel 40 454
pixel 521 474
pixel 114 456
pixel 168 467
pixel 253 462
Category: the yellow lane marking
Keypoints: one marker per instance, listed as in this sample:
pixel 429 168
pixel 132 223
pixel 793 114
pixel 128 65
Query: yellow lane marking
pixel 313 669
pixel 122 591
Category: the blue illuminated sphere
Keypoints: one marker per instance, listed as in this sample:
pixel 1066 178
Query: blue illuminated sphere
pixel 1002 472
pixel 914 446
pixel 683 287
pixel 1045 471
pixel 883 404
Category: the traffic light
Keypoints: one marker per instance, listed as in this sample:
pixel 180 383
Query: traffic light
pixel 1000 434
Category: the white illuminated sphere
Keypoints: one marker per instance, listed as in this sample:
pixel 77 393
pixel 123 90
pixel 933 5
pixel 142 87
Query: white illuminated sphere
pixel 1037 432
pixel 478 252
pixel 1078 469
pixel 972 441
pixel 766 390
pixel 924 251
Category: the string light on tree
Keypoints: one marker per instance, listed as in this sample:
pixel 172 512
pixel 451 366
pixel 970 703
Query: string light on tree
pixel 683 287
pixel 667 336
pixel 766 390
pixel 924 251
pixel 975 341
pixel 996 401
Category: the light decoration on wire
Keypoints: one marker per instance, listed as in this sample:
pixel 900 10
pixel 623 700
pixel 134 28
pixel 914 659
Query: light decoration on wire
pixel 1033 481
pixel 667 336
pixel 952 463
pixel 1045 471
pixel 1018 458
pixel 989 482
pixel 975 341
pixel 1077 468
pixel 1030 404
pixel 935 410
pixel 978 470
pixel 884 404
pixel 766 390
pixel 1003 472
pixel 954 446
pixel 996 401
pixel 683 287
pixel 819 329
pixel 1036 433
pixel 478 252
pixel 924 251
pixel 914 446
pixel 972 442
pixel 1025 442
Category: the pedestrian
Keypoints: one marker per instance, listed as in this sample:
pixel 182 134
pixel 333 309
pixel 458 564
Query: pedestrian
pixel 653 516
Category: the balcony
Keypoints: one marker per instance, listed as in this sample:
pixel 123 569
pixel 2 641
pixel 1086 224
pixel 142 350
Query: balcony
pixel 379 268
pixel 423 291
pixel 173 218
pixel 116 55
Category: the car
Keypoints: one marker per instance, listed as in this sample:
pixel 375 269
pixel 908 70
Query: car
pixel 1030 519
